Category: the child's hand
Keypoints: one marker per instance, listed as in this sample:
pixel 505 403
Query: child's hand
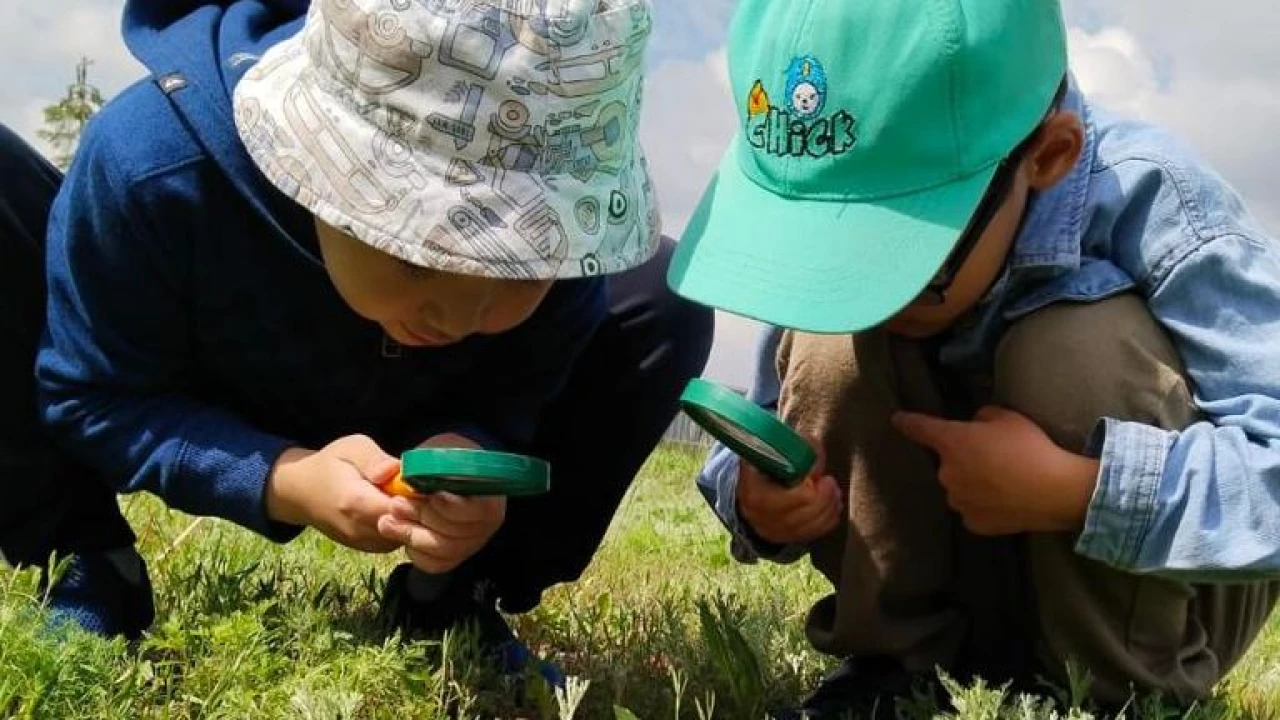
pixel 336 491
pixel 798 516
pixel 1003 474
pixel 439 532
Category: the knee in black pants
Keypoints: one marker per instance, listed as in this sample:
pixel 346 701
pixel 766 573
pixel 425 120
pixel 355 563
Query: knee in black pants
pixel 597 434
pixel 49 503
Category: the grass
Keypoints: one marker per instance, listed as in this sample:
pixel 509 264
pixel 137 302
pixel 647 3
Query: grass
pixel 663 625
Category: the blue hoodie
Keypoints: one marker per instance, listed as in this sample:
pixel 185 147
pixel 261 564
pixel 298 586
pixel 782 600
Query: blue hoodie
pixel 194 334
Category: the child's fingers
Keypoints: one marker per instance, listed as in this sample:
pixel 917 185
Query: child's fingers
pixel 830 490
pixel 405 508
pixel 807 529
pixel 820 504
pixel 756 488
pixel 407 534
pixel 437 549
pixel 450 515
pixel 816 490
pixel 432 563
pixel 827 523
pixel 365 537
pixel 427 514
pixel 821 524
pixel 477 505
pixel 469 510
pixel 935 433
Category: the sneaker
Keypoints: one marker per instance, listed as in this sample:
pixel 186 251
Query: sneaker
pixel 866 688
pixel 106 593
pixel 424 607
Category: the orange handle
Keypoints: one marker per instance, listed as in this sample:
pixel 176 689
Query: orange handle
pixel 397 487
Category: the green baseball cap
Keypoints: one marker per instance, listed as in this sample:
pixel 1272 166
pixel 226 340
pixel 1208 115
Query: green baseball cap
pixel 869 132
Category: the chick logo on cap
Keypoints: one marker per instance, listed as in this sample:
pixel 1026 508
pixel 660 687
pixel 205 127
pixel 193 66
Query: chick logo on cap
pixel 799 130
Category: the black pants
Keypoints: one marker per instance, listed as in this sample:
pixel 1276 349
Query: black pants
pixel 47 502
pixel 620 399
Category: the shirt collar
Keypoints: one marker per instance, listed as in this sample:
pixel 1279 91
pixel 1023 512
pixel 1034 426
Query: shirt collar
pixel 1051 232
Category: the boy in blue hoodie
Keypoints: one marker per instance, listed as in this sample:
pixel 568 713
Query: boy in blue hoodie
pixel 304 245
pixel 1037 342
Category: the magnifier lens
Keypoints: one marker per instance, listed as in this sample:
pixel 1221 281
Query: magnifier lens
pixel 755 444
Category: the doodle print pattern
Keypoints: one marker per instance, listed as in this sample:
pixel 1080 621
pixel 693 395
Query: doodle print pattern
pixel 491 137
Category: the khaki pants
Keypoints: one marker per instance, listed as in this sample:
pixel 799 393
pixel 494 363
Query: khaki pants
pixel 912 584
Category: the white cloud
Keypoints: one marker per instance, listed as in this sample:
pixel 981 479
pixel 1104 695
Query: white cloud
pixel 1224 112
pixel 1113 70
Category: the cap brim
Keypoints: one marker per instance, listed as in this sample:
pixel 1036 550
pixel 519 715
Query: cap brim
pixel 817 266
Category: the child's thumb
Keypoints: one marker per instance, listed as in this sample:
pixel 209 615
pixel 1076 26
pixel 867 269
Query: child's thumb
pixel 830 490
pixel 370 461
pixel 381 470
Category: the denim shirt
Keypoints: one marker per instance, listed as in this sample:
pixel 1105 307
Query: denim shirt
pixel 1138 213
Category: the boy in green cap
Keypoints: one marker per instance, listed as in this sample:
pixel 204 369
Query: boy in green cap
pixel 1037 343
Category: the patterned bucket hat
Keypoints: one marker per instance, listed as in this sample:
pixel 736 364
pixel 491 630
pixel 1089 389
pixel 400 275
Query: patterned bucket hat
pixel 496 138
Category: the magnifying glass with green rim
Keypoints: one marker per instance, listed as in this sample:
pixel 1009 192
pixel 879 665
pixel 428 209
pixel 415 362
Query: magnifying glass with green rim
pixel 750 431
pixel 469 473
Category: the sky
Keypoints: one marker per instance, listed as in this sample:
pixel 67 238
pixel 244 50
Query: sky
pixel 1209 72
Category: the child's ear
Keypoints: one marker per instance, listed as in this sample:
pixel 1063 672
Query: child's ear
pixel 1054 151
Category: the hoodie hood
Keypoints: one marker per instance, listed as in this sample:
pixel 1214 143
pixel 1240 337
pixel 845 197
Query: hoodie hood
pixel 165 35
pixel 197 51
